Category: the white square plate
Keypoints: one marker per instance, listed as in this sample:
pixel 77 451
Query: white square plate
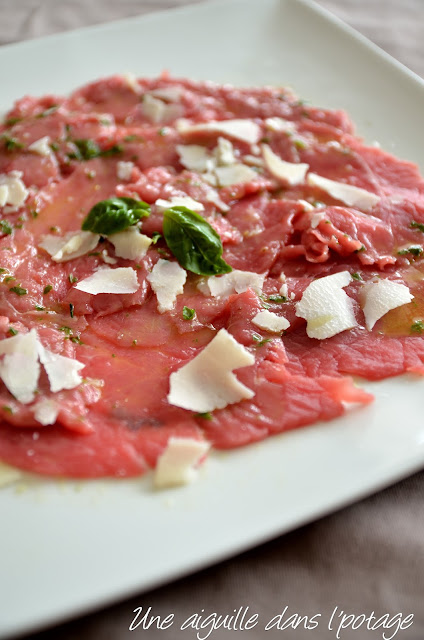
pixel 69 547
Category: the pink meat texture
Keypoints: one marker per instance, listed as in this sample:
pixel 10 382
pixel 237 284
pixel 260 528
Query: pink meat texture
pixel 118 420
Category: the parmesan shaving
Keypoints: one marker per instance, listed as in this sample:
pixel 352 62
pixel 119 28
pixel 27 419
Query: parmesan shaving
pixel 327 309
pixel 179 201
pixel 121 280
pixel 46 411
pixel 290 172
pixel 234 174
pixel 70 246
pixel 177 464
pixel 62 372
pixel 381 297
pixel 234 282
pixel 124 170
pixel 195 157
pixel 167 280
pixel 280 125
pixel 130 243
pixel 240 129
pixel 208 382
pixel 41 146
pixel 270 321
pixel 347 193
pixel 17 192
pixel 19 368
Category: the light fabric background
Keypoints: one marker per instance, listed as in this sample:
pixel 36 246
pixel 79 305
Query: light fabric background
pixel 368 557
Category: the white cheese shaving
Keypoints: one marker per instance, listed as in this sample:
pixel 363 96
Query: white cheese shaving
pixel 70 246
pixel 212 196
pixel 130 243
pixel 107 258
pixel 316 219
pixel 290 172
pixel 62 372
pixel 46 411
pixel 106 280
pixel 17 192
pixel 240 129
pixel 270 321
pixel 208 382
pixel 131 81
pixel 179 201
pixel 158 111
pixel 224 153
pixel 4 192
pixel 381 297
pixel 234 174
pixel 169 94
pixel 177 464
pixel 19 368
pixel 307 206
pixel 8 475
pixel 167 280
pixel 41 146
pixel 124 170
pixel 279 124
pixel 236 281
pixel 327 309
pixel 284 290
pixel 194 157
pixel 347 193
pixel 254 161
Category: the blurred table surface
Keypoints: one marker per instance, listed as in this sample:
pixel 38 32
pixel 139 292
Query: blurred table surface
pixel 367 557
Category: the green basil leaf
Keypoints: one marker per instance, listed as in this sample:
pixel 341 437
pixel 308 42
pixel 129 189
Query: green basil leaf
pixel 115 214
pixel 192 240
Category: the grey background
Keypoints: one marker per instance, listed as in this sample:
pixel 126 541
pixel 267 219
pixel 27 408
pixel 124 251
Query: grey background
pixel 368 557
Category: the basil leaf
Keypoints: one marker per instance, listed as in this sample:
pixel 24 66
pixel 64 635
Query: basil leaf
pixel 116 214
pixel 192 240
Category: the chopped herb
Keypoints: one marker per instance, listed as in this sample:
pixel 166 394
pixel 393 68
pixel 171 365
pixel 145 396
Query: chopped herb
pixel 47 289
pixel 11 121
pixel 33 213
pixel 188 313
pixel 39 308
pixel 163 131
pixel 87 149
pixel 115 214
pixel 54 146
pixel 20 291
pixel 19 226
pixel 133 137
pixel 13 331
pixel 300 144
pixel 206 416
pixel 113 355
pixel 8 409
pixel 12 144
pixel 361 250
pixel 9 278
pixel 48 111
pixel 105 122
pixel 90 174
pixel 417 327
pixel 3 270
pixel 66 330
pixel 76 340
pixel 259 340
pixel 54 229
pixel 355 276
pixel 94 253
pixel 72 278
pixel 134 343
pixel 163 252
pixel 71 310
pixel 277 297
pixel 6 227
pixel 265 140
pixel 417 225
pixel 192 240
pixel 413 251
pixel 156 236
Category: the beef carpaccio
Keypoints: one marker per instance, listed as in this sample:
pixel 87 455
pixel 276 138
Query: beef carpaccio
pixel 147 222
